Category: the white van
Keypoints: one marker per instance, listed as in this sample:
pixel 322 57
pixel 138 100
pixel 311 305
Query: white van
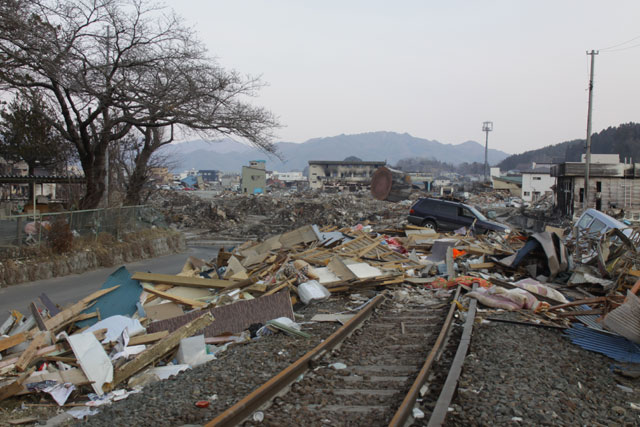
pixel 593 222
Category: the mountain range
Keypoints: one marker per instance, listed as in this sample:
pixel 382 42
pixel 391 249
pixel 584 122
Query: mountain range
pixel 229 156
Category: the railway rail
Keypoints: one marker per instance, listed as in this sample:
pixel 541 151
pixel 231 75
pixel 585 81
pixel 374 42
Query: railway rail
pixel 371 371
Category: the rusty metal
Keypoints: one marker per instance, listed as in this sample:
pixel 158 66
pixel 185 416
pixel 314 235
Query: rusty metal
pixel 406 407
pixel 245 407
pixel 446 395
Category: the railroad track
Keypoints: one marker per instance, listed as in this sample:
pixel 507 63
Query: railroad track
pixel 370 372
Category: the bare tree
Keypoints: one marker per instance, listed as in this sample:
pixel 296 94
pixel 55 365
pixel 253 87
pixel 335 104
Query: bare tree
pixel 109 66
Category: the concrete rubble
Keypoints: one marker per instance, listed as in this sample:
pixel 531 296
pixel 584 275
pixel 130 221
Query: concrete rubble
pixel 137 328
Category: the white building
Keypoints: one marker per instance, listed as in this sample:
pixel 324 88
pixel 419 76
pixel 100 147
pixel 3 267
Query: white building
pixel 288 176
pixel 537 182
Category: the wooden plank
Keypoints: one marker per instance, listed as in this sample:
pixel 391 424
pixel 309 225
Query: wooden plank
pixel 635 273
pixel 194 282
pixel 27 356
pixel 279 287
pixel 180 300
pixel 43 351
pixel 13 340
pixel 75 309
pixel 15 387
pixel 37 316
pixel 147 338
pixel 20 421
pixel 482 265
pixel 158 350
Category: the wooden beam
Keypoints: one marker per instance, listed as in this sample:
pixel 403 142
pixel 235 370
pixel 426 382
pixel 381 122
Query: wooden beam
pixel 27 356
pixel 158 350
pixel 15 387
pixel 482 265
pixel 13 340
pixel 180 300
pixel 192 282
pixel 147 338
pixel 75 309
pixel 37 316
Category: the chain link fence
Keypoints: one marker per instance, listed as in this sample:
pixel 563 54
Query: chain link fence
pixel 30 229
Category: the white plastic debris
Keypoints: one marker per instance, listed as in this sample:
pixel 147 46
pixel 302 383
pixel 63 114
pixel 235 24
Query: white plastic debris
pixel 92 358
pixel 115 325
pixel 312 291
pixel 338 366
pixel 418 414
pixel 258 416
pixel 193 351
pixel 80 413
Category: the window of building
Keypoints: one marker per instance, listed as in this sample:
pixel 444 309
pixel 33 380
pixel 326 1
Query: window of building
pixel 598 186
pixel 527 193
pixel 537 178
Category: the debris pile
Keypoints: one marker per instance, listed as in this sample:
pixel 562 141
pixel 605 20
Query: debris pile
pixel 144 327
pixel 233 216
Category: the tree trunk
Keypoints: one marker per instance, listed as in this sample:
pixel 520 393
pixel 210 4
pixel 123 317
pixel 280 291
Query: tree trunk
pixel 94 169
pixel 138 178
pixel 31 172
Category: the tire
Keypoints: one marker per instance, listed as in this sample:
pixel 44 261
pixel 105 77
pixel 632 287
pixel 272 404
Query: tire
pixel 427 223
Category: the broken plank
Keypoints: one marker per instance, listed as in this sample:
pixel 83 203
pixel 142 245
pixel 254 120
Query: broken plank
pixel 27 356
pixel 20 421
pixel 180 300
pixel 8 362
pixel 53 309
pixel 279 287
pixel 37 316
pixel 15 387
pixel 12 341
pixel 194 282
pixel 147 338
pixel 158 350
pixel 482 265
pixel 75 309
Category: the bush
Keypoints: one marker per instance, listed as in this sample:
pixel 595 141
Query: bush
pixel 59 236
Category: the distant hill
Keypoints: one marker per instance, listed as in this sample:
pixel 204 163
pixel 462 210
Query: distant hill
pixel 623 140
pixel 230 156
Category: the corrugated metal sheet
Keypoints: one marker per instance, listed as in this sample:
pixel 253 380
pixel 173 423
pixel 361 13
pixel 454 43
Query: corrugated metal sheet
pixel 234 318
pixel 613 346
pixel 625 319
pixel 590 319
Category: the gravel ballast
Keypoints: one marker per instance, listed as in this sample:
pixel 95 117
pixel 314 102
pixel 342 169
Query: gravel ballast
pixel 236 373
pixel 524 375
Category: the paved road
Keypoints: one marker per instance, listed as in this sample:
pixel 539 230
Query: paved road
pixel 67 289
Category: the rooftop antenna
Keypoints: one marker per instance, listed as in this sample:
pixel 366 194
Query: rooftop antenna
pixel 486 127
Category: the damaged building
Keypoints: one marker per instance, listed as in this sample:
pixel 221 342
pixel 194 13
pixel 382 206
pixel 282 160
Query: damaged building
pixel 331 173
pixel 612 184
pixel 254 177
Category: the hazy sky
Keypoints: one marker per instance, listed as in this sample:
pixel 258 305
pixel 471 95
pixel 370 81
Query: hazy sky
pixel 434 69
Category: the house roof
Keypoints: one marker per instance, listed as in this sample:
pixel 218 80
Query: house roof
pixel 539 170
pixel 52 179
pixel 512 179
pixel 341 162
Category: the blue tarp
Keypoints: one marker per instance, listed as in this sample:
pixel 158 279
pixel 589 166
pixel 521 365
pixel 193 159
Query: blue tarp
pixel 190 181
pixel 614 346
pixel 120 301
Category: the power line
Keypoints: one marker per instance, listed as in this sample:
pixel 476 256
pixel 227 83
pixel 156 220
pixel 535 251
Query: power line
pixel 621 44
pixel 623 48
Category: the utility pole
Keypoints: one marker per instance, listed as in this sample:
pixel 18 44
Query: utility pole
pixel 486 127
pixel 587 157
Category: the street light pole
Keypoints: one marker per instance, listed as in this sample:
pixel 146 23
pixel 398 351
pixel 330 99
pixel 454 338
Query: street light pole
pixel 486 127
